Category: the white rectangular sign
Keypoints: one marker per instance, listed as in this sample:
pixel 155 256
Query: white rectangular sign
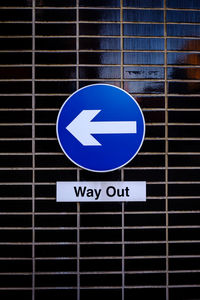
pixel 104 191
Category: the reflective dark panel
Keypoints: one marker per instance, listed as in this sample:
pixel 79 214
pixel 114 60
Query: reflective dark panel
pixel 42 131
pixel 86 175
pixel 142 15
pixel 184 292
pixel 15 72
pixel 44 176
pixel 54 3
pixel 151 101
pixel 50 101
pixel 104 58
pixel 15 44
pixel 183 231
pixel 158 235
pixel 15 29
pixel 55 72
pixel 99 235
pixel 184 117
pixel 154 249
pixel 186 17
pixel 152 206
pixel 99 43
pixel 57 162
pixel 183 58
pixel 99 3
pixel 56 235
pixel 7 146
pixel 184 88
pixel 86 221
pixel 154 146
pixel 194 175
pixel 147 292
pixel 87 250
pixel 143 58
pixel 143 29
pixel 144 87
pixel 17 131
pixel 12 117
pixel 22 191
pixel 55 43
pixel 145 279
pixel 66 58
pixel 97 29
pixel 183 160
pixel 184 73
pixel 21 15
pixel 41 206
pixel 184 204
pixel 183 4
pixel 143 72
pixel 149 175
pixel 155 131
pixel 99 15
pixel 184 131
pixel 11 87
pixel 19 161
pixel 59 87
pixel 152 220
pixel 42 146
pixel 183 30
pixel 110 264
pixel 143 3
pixel 100 72
pixel 184 146
pixel 85 83
pixel 58 15
pixel 143 44
pixel 96 279
pixel 184 102
pixel 154 117
pixel 62 293
pixel 25 3
pixel 183 44
pixel 191 190
pixel 60 280
pixel 19 281
pixel 52 29
pixel 15 58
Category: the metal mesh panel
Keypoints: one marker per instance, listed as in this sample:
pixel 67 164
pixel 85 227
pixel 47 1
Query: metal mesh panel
pixel 48 49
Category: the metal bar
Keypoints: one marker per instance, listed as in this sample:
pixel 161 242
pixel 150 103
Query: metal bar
pixel 122 170
pixel 33 149
pixel 78 170
pixel 166 150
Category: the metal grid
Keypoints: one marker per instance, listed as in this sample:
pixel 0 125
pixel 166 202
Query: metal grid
pixel 49 49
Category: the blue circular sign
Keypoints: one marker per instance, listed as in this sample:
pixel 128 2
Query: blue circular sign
pixel 100 127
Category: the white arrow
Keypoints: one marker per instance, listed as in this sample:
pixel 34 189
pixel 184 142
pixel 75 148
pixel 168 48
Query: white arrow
pixel 82 128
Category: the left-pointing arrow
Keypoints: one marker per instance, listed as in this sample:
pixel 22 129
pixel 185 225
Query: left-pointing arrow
pixel 82 128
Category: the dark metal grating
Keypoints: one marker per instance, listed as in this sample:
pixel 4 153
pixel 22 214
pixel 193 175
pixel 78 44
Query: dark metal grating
pixel 48 49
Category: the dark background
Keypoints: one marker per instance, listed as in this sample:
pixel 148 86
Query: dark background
pixel 49 49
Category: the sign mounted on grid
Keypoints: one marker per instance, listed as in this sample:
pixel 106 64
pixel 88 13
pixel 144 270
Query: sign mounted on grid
pixel 105 191
pixel 100 128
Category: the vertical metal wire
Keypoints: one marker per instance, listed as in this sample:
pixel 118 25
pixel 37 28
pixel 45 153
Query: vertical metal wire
pixel 122 170
pixel 78 170
pixel 166 151
pixel 78 247
pixel 33 149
